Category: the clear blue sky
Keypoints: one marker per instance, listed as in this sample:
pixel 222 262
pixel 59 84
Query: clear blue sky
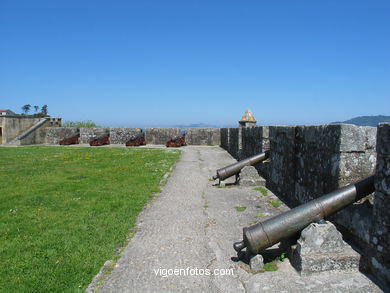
pixel 161 63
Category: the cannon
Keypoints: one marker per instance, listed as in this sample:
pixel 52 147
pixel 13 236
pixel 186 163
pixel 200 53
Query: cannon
pixel 265 234
pixel 100 141
pixel 235 168
pixel 176 141
pixel 136 140
pixel 70 140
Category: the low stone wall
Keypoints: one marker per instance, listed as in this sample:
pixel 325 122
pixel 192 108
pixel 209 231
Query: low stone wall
pixel 225 137
pixel 203 136
pixel 87 134
pixel 122 135
pixel 282 167
pixel 13 126
pixel 160 135
pixel 234 146
pixel 55 135
pixel 255 140
pixel 379 262
pixel 37 133
pixel 309 161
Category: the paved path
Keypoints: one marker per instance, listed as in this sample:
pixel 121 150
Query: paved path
pixel 192 225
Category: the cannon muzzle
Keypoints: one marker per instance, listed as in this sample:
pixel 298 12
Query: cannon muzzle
pixel 233 169
pixel 265 234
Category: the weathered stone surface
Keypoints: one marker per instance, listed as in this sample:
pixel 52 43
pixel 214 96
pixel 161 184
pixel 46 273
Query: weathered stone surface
pixel 235 142
pixel 379 261
pixel 225 137
pixel 383 141
pixel 88 134
pixel 321 248
pixel 281 178
pixel 357 220
pixel 250 177
pixel 370 133
pixel 252 141
pixel 345 138
pixel 256 262
pixel 160 135
pixel 355 166
pixel 123 135
pixel 203 136
pixel 55 134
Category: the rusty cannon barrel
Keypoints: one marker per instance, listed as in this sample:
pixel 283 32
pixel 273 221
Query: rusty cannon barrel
pixel 265 234
pixel 233 169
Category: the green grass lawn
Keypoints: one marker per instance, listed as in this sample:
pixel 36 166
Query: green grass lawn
pixel 64 211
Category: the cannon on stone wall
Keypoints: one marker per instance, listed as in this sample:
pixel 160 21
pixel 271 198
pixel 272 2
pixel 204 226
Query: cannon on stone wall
pixel 265 234
pixel 104 140
pixel 235 168
pixel 136 140
pixel 176 141
pixel 70 140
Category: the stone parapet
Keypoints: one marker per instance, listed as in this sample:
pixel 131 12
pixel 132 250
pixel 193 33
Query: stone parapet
pixel 88 134
pixel 123 135
pixel 379 261
pixel 203 136
pixel 160 135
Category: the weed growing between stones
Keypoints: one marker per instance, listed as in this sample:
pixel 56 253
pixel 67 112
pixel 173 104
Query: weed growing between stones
pixel 275 203
pixel 262 190
pixel 240 208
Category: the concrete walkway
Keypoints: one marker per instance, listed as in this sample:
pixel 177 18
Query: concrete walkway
pixel 191 227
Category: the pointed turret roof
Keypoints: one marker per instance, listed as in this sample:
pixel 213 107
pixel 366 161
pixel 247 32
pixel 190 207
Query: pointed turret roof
pixel 248 117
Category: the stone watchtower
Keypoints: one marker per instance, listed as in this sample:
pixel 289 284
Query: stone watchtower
pixel 247 120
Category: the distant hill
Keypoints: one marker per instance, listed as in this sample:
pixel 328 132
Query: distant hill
pixel 197 125
pixel 367 120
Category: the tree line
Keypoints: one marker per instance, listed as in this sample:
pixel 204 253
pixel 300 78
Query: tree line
pixel 43 113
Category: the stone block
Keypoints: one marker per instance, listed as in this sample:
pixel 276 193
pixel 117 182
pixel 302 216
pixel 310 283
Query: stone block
pixel 225 138
pixel 281 138
pixel 252 141
pixel 354 166
pixel 371 133
pixel 379 261
pixel 88 134
pixel 321 248
pixel 380 233
pixel 55 134
pixel 250 177
pixel 383 139
pixel 235 142
pixel 256 262
pixel 203 136
pixel 123 135
pixel 357 220
pixel 345 138
pixel 160 135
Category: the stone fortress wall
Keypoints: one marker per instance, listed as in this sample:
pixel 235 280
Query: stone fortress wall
pixel 309 161
pixel 305 162
pixel 25 130
pixel 154 136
